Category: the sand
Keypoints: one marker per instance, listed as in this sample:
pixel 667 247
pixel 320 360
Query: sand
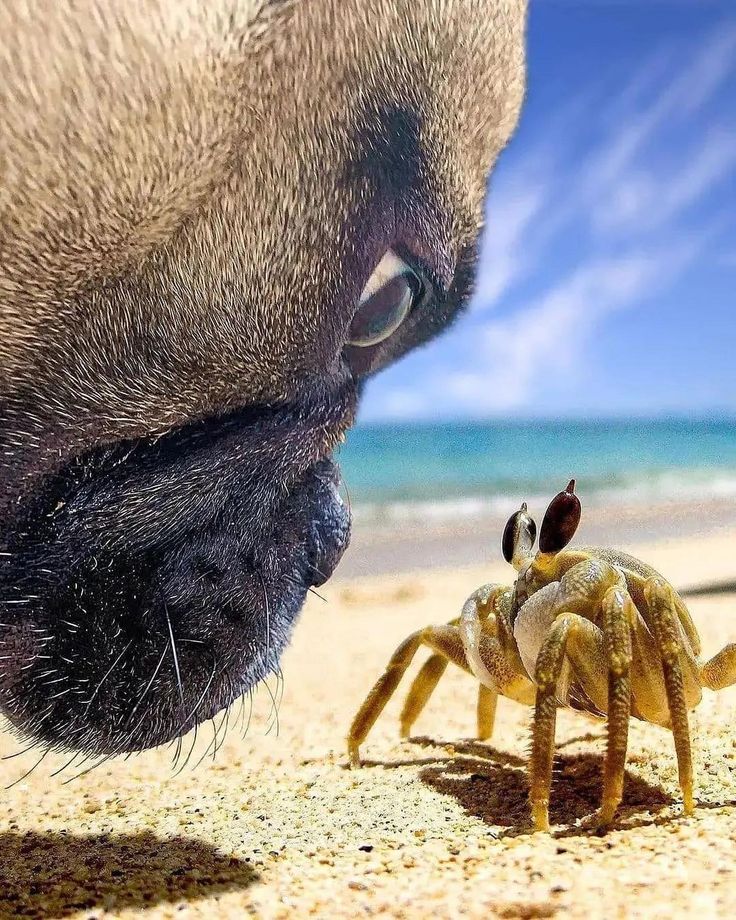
pixel 412 544
pixel 277 827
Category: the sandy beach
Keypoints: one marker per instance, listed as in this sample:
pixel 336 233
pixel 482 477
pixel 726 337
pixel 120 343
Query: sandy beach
pixel 276 826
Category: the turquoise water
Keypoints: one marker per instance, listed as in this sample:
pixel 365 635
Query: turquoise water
pixel 463 467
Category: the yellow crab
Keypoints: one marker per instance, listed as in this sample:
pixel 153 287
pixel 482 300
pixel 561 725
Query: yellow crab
pixel 593 629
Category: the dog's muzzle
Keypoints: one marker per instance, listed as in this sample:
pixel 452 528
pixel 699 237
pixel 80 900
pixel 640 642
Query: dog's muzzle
pixel 149 590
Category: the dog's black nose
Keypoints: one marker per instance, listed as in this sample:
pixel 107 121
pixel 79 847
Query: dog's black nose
pixel 330 523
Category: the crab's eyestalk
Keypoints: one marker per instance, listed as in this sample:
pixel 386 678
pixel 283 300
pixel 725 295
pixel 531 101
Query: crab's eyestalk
pixel 518 538
pixel 560 521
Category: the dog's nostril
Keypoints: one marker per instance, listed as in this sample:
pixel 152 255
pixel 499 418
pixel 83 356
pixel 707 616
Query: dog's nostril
pixel 326 564
pixel 331 531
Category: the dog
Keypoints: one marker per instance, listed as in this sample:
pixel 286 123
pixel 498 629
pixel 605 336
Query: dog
pixel 217 222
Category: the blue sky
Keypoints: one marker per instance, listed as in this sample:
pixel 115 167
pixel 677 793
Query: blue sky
pixel 607 283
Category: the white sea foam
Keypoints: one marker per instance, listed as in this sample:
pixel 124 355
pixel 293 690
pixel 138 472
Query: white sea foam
pixel 663 487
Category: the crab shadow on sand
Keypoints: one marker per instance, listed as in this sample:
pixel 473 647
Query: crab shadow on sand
pixel 493 785
pixel 57 874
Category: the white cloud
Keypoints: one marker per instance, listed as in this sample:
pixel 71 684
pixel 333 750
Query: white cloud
pixel 520 203
pixel 643 201
pixel 625 200
pixel 614 188
pixel 630 204
pixel 516 355
pixel 509 360
pixel 403 403
pixel 683 96
pixel 515 210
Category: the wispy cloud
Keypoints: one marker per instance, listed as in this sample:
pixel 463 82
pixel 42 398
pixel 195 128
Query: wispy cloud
pixel 645 200
pixel 682 96
pixel 518 355
pixel 515 211
pixel 626 179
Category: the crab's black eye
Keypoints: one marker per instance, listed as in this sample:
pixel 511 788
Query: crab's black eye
pixel 560 520
pixel 387 299
pixel 519 535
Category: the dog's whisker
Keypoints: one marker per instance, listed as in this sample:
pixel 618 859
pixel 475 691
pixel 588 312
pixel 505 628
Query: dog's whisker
pixel 177 753
pixel 94 766
pixel 108 673
pixel 19 753
pixel 281 683
pixel 29 771
pixel 67 764
pixel 319 571
pixel 201 697
pixel 268 617
pixel 175 656
pixel 189 753
pixel 274 710
pixel 250 713
pixel 224 734
pixel 86 757
pixel 241 711
pixel 145 693
pixel 209 746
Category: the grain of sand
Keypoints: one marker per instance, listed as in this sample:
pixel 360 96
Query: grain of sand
pixel 277 827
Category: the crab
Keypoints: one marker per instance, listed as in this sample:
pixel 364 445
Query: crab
pixel 594 630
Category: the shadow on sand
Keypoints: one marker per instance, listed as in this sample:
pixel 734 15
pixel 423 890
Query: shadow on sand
pixel 56 875
pixel 492 785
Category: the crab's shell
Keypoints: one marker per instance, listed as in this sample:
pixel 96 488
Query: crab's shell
pixel 535 617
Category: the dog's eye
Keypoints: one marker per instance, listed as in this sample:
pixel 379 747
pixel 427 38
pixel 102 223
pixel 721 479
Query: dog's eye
pixel 386 301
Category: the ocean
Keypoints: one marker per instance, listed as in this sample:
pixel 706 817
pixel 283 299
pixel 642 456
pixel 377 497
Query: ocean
pixel 435 472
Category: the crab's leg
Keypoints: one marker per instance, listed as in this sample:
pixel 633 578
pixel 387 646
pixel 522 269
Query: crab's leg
pixel 442 639
pixel 547 674
pixel 423 686
pixel 617 615
pixel 720 671
pixel 667 634
pixel 486 711
pixel 591 652
pixel 600 659
pixel 420 691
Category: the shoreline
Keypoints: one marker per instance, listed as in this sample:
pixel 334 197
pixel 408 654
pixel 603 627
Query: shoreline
pixel 410 546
